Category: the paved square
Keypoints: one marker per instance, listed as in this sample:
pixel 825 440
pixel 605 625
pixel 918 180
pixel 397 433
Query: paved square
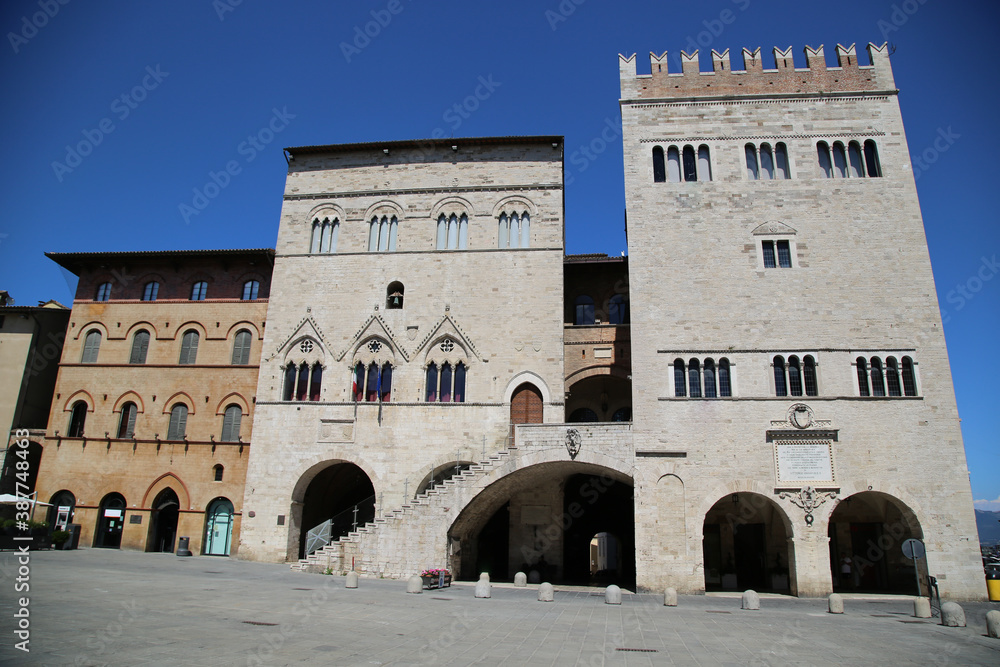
pixel 106 607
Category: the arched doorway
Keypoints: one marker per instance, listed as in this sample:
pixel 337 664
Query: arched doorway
pixel 163 522
pixel 526 405
pixel 110 521
pixel 541 519
pixel 605 559
pixel 747 545
pixel 218 527
pixel 329 503
pixel 869 529
pixel 63 507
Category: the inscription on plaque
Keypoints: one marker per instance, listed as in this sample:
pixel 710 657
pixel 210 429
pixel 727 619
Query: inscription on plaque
pixel 805 462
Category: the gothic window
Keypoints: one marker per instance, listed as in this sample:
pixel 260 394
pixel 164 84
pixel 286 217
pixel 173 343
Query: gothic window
pixel 674 164
pixel 862 365
pixel 150 291
pixel 91 346
pixel 909 378
pixel 394 296
pixel 892 377
pixel 709 376
pixel 371 395
pixel 241 348
pixel 839 160
pixel 430 395
pixel 460 371
pixel 288 392
pixel 514 230
pixel 140 346
pixel 584 310
pixel 445 391
pixel 126 422
pixel 781 170
pixel 725 386
pixel 871 159
pixel 325 233
pixel 704 164
pixel 302 386
pixel 856 169
pixel 753 169
pixel 452 232
pixel 766 162
pixel 446 374
pixel 103 292
pixel 177 427
pixel 780 386
pixel 385 388
pixel 690 165
pixel 618 310
pixel 199 290
pixel 382 234
pixel 189 348
pixel 250 290
pixel 659 165
pixel 231 423
pixel 809 376
pixel 694 378
pixel 680 381
pixel 77 419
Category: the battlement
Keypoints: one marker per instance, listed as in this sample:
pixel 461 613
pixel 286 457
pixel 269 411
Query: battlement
pixel 753 80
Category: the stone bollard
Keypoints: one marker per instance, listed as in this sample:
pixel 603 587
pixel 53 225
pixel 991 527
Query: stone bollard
pixel 352 579
pixel 922 608
pixel 993 624
pixel 670 597
pixel 520 580
pixel 534 577
pixel 751 600
pixel 612 595
pixel 836 604
pixel 952 615
pixel 546 593
pixel 483 586
pixel 414 585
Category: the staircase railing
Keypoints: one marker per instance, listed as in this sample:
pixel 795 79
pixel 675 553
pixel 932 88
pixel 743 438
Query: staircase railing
pixel 340 524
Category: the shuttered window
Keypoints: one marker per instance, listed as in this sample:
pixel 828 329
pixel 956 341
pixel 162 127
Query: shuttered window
pixel 140 346
pixel 241 348
pixel 91 346
pixel 231 423
pixel 178 422
pixel 189 348
pixel 126 424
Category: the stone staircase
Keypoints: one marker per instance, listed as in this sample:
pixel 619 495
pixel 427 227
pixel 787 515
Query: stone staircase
pixel 334 555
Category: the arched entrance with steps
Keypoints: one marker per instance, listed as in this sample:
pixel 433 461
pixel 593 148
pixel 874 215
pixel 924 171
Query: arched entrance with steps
pixel 330 491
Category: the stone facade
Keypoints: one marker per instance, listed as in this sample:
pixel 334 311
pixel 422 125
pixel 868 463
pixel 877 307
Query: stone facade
pixel 168 484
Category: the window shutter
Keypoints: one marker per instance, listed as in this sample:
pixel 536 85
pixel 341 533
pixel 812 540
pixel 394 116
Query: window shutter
pixel 91 347
pixel 241 348
pixel 189 348
pixel 231 424
pixel 130 422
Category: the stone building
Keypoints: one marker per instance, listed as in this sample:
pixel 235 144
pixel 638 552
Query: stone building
pixel 149 432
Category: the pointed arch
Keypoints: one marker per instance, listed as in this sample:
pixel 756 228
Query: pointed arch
pixel 231 399
pixel 79 395
pixel 127 397
pixel 168 479
pixel 530 378
pixel 179 397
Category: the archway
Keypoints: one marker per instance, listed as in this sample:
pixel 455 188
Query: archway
pixel 526 405
pixel 747 544
pixel 441 474
pixel 601 397
pixel 63 507
pixel 869 529
pixel 163 521
pixel 110 521
pixel 218 527
pixel 541 519
pixel 329 504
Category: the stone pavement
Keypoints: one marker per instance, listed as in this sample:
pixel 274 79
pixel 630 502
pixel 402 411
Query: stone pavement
pixel 97 607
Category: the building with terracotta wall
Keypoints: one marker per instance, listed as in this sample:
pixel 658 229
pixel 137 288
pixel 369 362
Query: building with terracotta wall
pixel 149 432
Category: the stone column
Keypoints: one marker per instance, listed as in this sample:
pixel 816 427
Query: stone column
pixel 810 569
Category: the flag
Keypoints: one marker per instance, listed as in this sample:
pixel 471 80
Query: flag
pixel 354 390
pixel 378 393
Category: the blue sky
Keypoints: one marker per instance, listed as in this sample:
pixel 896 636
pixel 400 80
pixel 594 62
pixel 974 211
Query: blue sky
pixel 200 78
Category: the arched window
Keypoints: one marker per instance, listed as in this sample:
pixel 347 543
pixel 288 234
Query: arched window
pixel 825 163
pixel 150 291
pixel 794 376
pixel 231 423
pixel 324 235
pixel 780 387
pixel 809 375
pixel 622 415
pixel 445 383
pixel 878 385
pixel 432 382
pixel 839 161
pixel 382 234
pixel 710 391
pixel 140 346
pixel 189 348
pixel 680 382
pixel 766 162
pixel 659 166
pixel 217 472
pixel 288 393
pixel 892 377
pixel 452 232
pixel 909 378
pixel 241 348
pixel 673 165
pixel 862 377
pixel 751 157
pixel 177 427
pixel 584 310
pixel 126 422
pixel 459 395
pixel 77 419
pixel 704 164
pixel 694 379
pixel 781 170
pixel 725 385
pixel 394 296
pixel 358 382
pixel 503 234
pixel 302 386
pixel 855 168
pixel 581 415
pixel 525 230
pixel 199 290
pixel 91 346
pixel 315 382
pixel 373 383
pixel 690 165
pixel 103 292
pixel 871 159
pixel 385 389
pixel 618 310
pixel 514 231
pixel 250 290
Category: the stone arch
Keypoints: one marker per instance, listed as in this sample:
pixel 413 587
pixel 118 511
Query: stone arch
pixel 142 324
pixel 179 397
pixel 591 371
pixel 244 324
pixel 186 326
pixel 230 399
pixel 515 204
pixel 92 325
pixel 168 479
pixel 327 209
pixel 126 397
pixel 528 377
pixel 79 395
pixel 363 355
pixel 295 355
pixel 384 207
pixel 452 204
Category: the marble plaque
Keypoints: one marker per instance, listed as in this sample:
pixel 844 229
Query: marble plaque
pixel 804 462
